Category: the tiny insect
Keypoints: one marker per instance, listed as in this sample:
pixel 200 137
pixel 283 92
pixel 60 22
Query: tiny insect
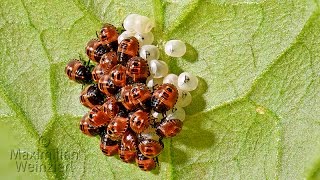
pixel 118 75
pixel 109 37
pixel 97 117
pixel 139 121
pixel 127 49
pixel 124 97
pixel 164 98
pixel 169 128
pixel 144 163
pixel 150 147
pixel 130 140
pixel 110 107
pixel 106 85
pixel 92 96
pixel 95 50
pixel 97 73
pixel 126 155
pixel 109 60
pixel 108 146
pixel 139 95
pixel 128 147
pixel 86 127
pixel 117 127
pixel 78 72
pixel 138 70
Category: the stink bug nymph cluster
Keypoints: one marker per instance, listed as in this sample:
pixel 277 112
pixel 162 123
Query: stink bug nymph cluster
pixel 133 102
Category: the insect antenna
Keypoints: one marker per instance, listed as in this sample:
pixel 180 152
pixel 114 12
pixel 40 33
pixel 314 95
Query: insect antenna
pixel 97 34
pixel 157 161
pixel 164 115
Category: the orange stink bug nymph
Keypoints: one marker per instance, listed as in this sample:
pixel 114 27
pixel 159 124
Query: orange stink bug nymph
pixel 108 146
pixel 150 147
pixel 128 147
pixel 97 117
pixel 118 75
pixel 117 127
pixel 138 70
pixel 95 50
pixel 92 96
pixel 139 95
pixel 106 85
pixel 111 107
pixel 86 127
pixel 78 72
pixel 169 128
pixel 127 49
pixel 164 97
pixel 109 37
pixel 124 97
pixel 139 121
pixel 145 163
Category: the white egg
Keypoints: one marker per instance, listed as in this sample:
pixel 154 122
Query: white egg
pixel 129 22
pixel 143 24
pixel 150 133
pixel 158 69
pixel 175 48
pixel 149 52
pixel 144 38
pixel 176 113
pixel 184 98
pixel 172 79
pixel 187 81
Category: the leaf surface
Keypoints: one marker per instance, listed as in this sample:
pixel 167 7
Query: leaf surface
pixel 255 114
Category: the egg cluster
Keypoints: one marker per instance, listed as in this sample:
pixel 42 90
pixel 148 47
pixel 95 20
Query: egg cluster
pixel 134 103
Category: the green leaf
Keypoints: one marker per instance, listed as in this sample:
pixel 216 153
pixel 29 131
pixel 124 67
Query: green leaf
pixel 255 115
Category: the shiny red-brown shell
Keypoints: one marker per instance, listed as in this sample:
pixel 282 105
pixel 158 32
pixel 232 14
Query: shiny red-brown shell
pixel 109 60
pixel 108 34
pixel 97 117
pixel 91 96
pixel 144 163
pixel 108 146
pixel 125 97
pixel 97 73
pixel 106 85
pixel 137 69
pixel 117 127
pixel 129 146
pixel 169 128
pixel 95 50
pixel 86 127
pixel 126 155
pixel 76 71
pixel 139 121
pixel 118 75
pixel 164 97
pixel 129 140
pixel 110 107
pixel 127 49
pixel 150 148
pixel 139 94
